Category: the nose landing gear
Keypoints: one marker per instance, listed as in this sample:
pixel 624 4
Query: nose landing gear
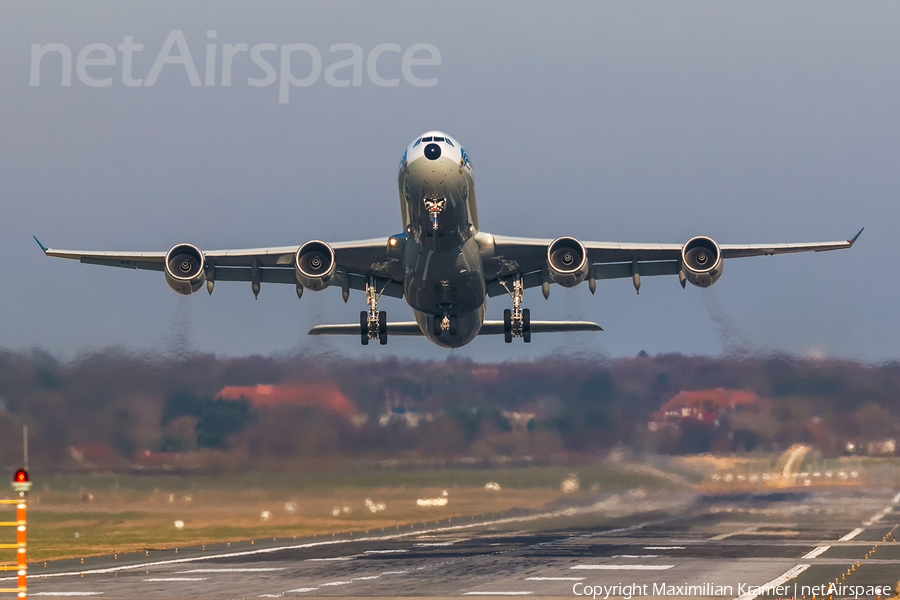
pixel 435 206
pixel 372 323
pixel 448 323
pixel 516 322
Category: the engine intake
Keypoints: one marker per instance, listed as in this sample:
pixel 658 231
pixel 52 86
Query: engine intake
pixel 701 260
pixel 185 269
pixel 567 261
pixel 314 265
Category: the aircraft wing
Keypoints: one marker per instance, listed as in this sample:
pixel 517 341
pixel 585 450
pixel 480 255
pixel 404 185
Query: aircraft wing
pixel 355 261
pixel 527 257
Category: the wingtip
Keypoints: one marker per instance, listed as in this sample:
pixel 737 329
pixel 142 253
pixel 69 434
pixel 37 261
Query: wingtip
pixel 855 237
pixel 43 247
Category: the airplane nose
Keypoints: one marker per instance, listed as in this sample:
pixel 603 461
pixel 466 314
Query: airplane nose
pixel 432 152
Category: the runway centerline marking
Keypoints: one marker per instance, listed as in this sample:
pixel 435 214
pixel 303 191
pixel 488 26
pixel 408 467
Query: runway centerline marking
pixel 623 567
pixel 635 556
pixel 234 570
pixel 664 547
pixel 816 552
pixel 301 590
pixel 159 579
pixel 780 580
pixel 387 551
pixel 851 535
pixel 333 583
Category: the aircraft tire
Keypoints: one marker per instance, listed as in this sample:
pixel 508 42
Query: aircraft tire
pixel 526 325
pixel 507 326
pixel 382 328
pixel 364 328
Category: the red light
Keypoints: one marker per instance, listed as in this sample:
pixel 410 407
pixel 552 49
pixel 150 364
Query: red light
pixel 21 476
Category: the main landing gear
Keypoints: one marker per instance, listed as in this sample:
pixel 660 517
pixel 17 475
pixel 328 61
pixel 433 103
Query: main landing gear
pixel 372 323
pixel 516 322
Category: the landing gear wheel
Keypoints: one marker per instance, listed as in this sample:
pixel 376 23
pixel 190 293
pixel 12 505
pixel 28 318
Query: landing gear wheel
pixel 437 327
pixel 526 325
pixel 382 328
pixel 364 328
pixel 454 325
pixel 507 326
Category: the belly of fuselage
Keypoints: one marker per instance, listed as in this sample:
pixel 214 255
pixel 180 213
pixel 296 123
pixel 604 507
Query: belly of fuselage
pixel 446 281
pixel 468 326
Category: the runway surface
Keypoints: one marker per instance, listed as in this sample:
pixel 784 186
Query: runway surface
pixel 723 546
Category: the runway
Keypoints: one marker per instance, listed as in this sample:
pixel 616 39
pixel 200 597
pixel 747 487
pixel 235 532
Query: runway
pixel 681 545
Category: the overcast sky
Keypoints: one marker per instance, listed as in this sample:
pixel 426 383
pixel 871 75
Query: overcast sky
pixel 619 121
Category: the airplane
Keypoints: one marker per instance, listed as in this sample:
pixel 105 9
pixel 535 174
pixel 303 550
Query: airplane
pixel 443 264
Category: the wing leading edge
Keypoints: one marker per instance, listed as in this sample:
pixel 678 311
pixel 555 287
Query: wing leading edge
pixel 355 261
pixel 527 257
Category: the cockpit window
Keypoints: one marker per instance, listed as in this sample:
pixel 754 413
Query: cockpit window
pixel 438 139
pixel 418 141
pixel 428 139
pixel 450 143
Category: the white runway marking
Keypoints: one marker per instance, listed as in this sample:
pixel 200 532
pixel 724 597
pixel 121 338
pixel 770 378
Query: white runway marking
pixel 329 559
pixel 664 547
pixel 623 567
pixel 816 552
pixel 497 593
pixel 852 534
pixel 333 583
pixel 428 544
pixel 366 578
pixel 780 580
pixel 156 579
pixel 386 551
pixel 896 499
pixel 301 590
pixel 554 579
pixel 234 570
pixel 64 593
pixel 242 553
pixel 635 556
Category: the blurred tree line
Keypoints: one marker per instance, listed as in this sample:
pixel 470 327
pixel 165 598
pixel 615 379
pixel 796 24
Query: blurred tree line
pixel 113 408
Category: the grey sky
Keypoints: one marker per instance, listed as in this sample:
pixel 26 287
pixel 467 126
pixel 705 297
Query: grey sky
pixel 622 121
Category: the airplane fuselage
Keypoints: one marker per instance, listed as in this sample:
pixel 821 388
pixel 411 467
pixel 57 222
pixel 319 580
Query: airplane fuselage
pixel 443 279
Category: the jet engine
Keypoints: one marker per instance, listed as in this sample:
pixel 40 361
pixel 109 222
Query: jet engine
pixel 701 261
pixel 185 269
pixel 567 261
pixel 314 265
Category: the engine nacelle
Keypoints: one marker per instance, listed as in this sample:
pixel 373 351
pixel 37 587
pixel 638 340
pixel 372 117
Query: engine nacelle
pixel 314 265
pixel 567 261
pixel 185 269
pixel 701 260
